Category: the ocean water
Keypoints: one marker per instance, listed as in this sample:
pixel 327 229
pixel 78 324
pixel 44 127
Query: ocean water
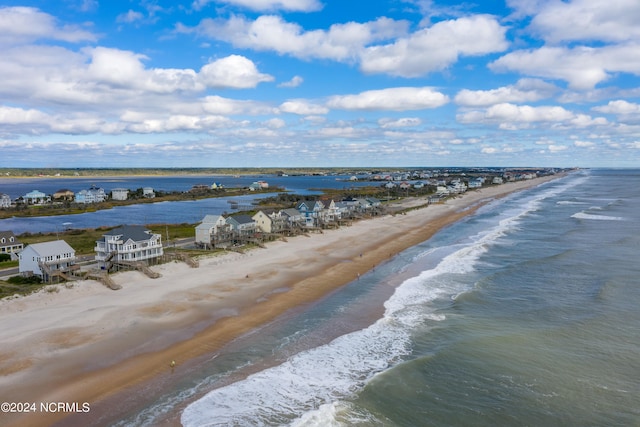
pixel 523 314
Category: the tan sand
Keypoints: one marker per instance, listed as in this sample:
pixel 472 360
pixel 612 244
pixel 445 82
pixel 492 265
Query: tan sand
pixel 86 343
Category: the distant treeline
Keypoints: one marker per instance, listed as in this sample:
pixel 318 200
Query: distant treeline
pixel 84 172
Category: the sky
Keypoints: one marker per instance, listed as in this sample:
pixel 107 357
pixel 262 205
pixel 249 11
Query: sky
pixel 319 83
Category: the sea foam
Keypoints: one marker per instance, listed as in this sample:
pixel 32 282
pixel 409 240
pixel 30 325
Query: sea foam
pixel 584 215
pixel 311 386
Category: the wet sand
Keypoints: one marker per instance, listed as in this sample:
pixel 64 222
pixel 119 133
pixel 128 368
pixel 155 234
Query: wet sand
pixel 91 344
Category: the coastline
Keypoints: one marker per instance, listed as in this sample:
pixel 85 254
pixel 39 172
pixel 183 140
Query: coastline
pixel 92 344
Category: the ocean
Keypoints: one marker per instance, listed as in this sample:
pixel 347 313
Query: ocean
pixel 522 314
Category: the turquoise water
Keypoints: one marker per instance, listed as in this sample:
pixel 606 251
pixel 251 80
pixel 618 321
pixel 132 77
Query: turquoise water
pixel 525 313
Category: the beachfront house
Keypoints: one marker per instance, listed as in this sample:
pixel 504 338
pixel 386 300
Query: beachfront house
pixel 5 200
pixel 312 212
pixel 330 211
pixel 92 195
pixel 128 244
pixel 242 225
pixel 211 227
pixel 293 217
pixel 270 221
pixel 9 244
pixel 475 183
pixel 48 260
pixel 263 221
pixel 497 180
pixel 119 194
pixel 442 190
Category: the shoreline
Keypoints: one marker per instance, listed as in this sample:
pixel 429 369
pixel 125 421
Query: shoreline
pixel 93 344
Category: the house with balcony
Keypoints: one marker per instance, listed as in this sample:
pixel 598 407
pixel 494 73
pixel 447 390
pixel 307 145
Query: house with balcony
pixel 128 244
pixel 242 225
pixel 35 197
pixel 92 195
pixel 270 221
pixel 48 260
pixel 9 244
pixel 312 211
pixel 293 218
pixel 212 229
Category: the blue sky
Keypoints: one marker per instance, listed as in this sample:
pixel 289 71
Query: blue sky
pixel 290 83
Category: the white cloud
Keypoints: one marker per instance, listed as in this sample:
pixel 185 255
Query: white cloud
pixel 525 90
pixel 395 99
pixel 582 67
pixel 589 20
pixel 266 5
pixel 511 116
pixel 399 123
pixel 342 42
pixel 584 144
pixel 234 71
pixel 13 116
pixel 620 107
pixel 294 82
pixel 102 78
pixel 436 47
pixel 303 108
pixel 218 105
pixel 489 150
pixel 557 148
pixel 275 123
pixel 26 24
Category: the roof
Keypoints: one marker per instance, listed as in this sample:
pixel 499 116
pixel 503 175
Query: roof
pixel 7 235
pixel 211 219
pixel 242 219
pixel 291 212
pixel 136 233
pixel 51 248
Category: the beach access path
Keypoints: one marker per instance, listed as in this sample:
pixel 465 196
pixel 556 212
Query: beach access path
pixel 87 343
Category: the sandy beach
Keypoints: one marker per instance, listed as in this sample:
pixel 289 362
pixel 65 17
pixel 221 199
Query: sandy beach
pixel 84 343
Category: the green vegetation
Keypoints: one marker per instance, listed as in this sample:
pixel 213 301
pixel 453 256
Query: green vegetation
pixel 84 241
pixel 20 285
pixel 90 172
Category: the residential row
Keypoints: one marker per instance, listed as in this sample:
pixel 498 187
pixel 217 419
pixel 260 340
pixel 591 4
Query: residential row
pixel 91 195
pixel 131 245
pixel 128 245
pixel 217 231
pixel 95 194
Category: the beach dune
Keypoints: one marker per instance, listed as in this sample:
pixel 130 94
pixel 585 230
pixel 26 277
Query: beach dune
pixel 83 344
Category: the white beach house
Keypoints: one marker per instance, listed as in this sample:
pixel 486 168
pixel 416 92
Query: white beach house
pixel 129 243
pixel 47 259
pixel 211 226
